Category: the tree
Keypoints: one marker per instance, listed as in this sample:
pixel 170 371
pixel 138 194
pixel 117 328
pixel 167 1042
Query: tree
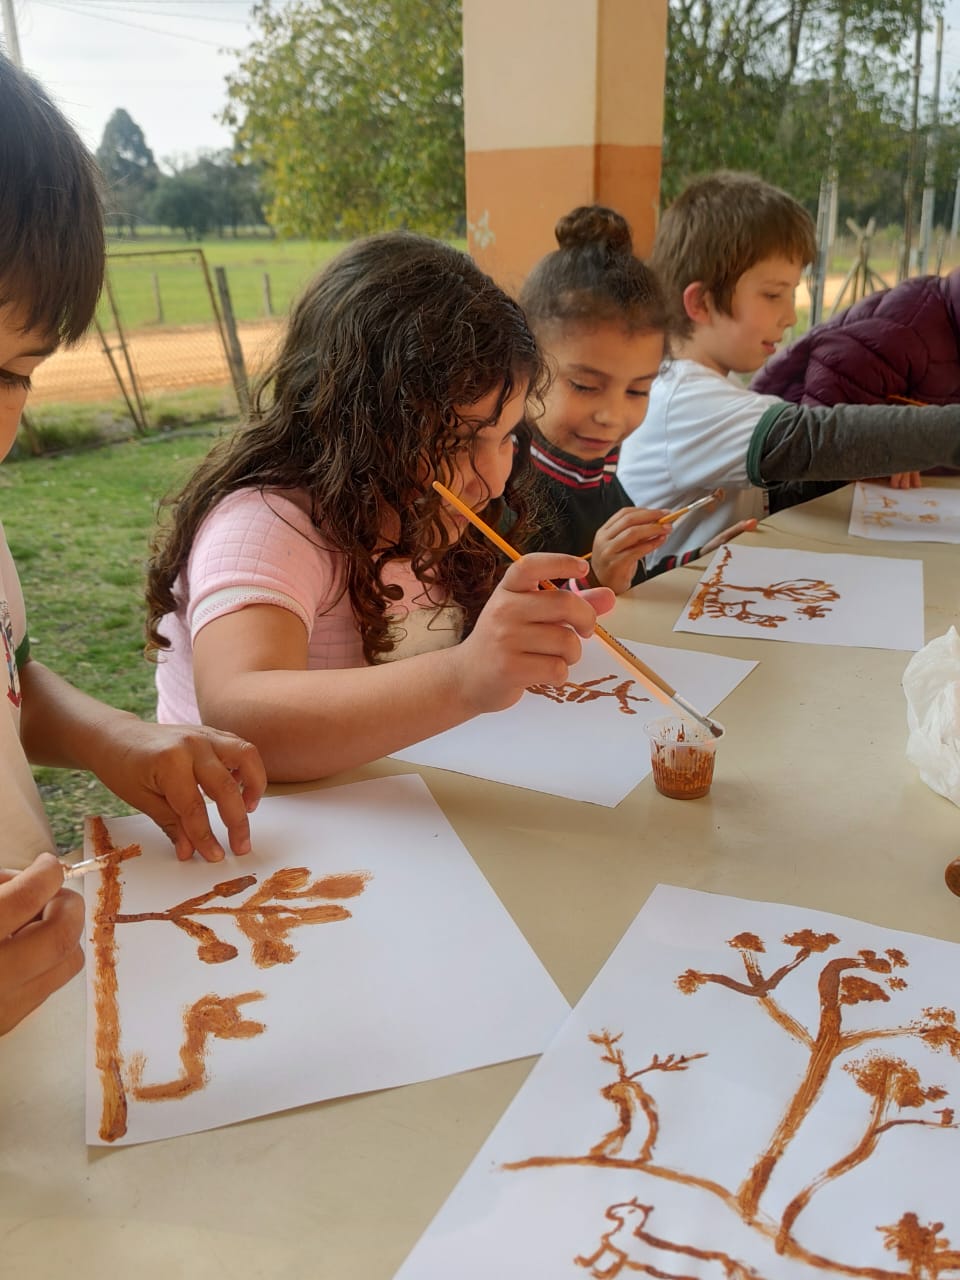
pixel 215 191
pixel 129 169
pixel 804 79
pixel 355 111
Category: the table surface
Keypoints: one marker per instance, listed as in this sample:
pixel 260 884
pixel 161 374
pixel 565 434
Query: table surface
pixel 813 804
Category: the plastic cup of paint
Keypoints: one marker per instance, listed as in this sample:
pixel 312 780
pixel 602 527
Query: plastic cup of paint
pixel 682 754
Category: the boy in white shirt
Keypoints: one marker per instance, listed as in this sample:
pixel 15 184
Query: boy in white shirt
pixel 730 251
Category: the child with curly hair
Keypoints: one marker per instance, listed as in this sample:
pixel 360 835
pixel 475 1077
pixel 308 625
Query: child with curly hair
pixel 313 592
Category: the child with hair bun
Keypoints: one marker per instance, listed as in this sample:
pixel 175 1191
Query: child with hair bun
pixel 602 322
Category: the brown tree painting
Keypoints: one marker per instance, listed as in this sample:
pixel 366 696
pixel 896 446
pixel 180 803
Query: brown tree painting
pixel 808 597
pixel 621 692
pixel 927 514
pixel 717 597
pixel 265 914
pixel 893 1094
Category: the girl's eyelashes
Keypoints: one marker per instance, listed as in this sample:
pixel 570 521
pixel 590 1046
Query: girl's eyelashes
pixel 581 386
pixel 18 380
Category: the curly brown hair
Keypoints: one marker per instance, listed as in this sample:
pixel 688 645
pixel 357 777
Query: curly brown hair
pixel 362 405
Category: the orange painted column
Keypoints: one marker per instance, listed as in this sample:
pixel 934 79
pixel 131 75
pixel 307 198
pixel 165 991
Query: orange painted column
pixel 563 105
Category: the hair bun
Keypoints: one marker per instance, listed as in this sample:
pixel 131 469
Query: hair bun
pixel 594 224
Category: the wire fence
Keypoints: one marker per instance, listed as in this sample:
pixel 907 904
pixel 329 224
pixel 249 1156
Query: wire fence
pixel 164 350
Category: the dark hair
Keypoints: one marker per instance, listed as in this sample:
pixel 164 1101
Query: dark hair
pixel 594 278
pixel 719 227
pixel 51 213
pixel 363 401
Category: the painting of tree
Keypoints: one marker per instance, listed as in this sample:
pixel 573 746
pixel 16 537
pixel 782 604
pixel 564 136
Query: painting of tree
pixel 895 1096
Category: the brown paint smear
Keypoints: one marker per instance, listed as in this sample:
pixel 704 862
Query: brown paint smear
pixel 209 1016
pixel 265 918
pixel 810 594
pixel 590 691
pixel 892 1085
pixel 113 1114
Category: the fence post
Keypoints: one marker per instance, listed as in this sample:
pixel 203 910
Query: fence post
pixel 267 294
pixel 156 297
pixel 234 351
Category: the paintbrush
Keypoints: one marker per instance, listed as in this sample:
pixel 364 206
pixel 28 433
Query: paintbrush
pixel 656 684
pixel 671 516
pixel 97 864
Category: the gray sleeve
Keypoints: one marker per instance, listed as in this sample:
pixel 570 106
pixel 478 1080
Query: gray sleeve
pixel 851 441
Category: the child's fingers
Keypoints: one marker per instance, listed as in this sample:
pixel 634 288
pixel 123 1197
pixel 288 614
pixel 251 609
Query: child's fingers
pixel 600 599
pixel 24 896
pixel 527 573
pixel 40 957
pixel 630 516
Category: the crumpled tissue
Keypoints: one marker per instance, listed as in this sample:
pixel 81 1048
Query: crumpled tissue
pixel 931 683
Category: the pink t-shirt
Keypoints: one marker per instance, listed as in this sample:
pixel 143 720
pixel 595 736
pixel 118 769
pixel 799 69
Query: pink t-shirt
pixel 256 548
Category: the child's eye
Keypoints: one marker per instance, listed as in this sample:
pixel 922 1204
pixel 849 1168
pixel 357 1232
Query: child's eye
pixel 638 394
pixel 18 380
pixel 580 386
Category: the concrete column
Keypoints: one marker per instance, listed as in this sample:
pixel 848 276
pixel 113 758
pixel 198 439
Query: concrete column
pixel 563 106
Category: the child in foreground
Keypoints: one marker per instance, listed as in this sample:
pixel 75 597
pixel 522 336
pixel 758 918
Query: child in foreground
pixel 312 591
pixel 601 319
pixel 730 251
pixel 51 268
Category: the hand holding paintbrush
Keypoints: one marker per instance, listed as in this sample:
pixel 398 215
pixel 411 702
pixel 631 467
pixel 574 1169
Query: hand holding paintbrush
pixel 659 687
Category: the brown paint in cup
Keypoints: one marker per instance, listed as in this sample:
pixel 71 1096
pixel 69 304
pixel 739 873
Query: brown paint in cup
pixel 682 756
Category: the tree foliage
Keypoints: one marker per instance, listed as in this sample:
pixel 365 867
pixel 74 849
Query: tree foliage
pixel 807 83
pixel 128 167
pixel 355 110
pixel 210 194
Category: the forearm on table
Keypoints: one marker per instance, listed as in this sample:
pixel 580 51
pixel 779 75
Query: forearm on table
pixel 310 724
pixel 61 726
pixel 850 442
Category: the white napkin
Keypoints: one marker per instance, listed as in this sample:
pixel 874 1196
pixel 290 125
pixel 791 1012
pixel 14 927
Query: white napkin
pixel 931 683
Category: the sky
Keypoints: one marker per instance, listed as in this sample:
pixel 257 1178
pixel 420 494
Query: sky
pixel 161 60
pixel 166 61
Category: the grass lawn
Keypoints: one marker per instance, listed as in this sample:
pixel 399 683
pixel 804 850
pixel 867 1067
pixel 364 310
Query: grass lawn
pixel 79 527
pixel 180 280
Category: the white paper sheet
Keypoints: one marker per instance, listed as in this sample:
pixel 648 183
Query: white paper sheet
pixel 584 740
pixel 868 602
pixel 424 975
pixel 747 1091
pixel 927 514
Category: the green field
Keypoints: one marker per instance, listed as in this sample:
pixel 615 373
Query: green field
pixel 79 527
pixel 180 279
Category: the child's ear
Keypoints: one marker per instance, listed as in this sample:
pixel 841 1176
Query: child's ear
pixel 697 303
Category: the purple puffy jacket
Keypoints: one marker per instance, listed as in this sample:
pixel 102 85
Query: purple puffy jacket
pixel 904 342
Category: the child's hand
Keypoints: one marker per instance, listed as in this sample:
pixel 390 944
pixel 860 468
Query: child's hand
pixel 40 928
pixel 626 538
pixel 526 636
pixel 906 480
pixel 162 770
pixel 743 526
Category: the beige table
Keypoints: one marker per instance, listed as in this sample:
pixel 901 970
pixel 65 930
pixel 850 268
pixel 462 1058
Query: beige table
pixel 813 803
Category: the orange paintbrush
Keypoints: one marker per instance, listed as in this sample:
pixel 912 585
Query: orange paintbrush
pixel 656 684
pixel 671 516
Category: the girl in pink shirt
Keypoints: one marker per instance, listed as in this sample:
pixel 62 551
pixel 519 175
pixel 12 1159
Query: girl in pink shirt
pixel 312 592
